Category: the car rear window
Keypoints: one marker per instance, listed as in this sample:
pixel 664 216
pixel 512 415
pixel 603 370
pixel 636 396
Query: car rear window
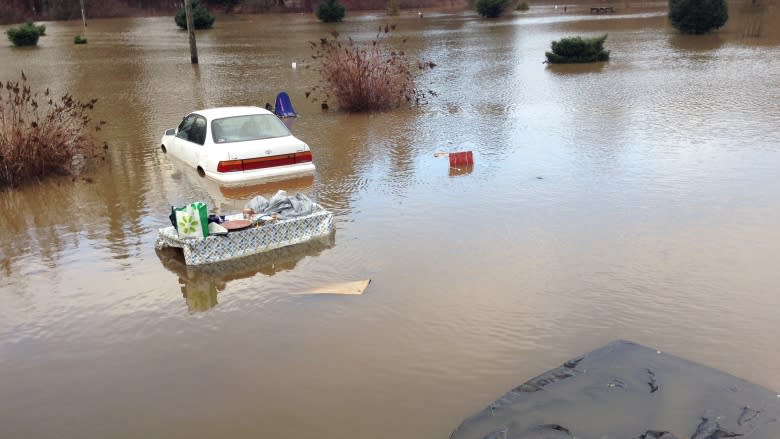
pixel 249 127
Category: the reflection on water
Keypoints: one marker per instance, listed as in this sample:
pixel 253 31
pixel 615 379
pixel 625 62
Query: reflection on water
pixel 32 219
pixel 463 170
pixel 630 199
pixel 200 284
pixel 696 43
pixel 289 122
pixel 756 21
pixel 568 69
pixel 299 184
pixel 227 200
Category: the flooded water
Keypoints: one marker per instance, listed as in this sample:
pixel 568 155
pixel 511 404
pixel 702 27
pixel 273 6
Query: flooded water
pixel 638 199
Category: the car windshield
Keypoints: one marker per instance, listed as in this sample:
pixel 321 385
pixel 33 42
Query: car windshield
pixel 249 127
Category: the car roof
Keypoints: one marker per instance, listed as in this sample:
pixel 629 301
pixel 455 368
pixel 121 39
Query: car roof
pixel 219 112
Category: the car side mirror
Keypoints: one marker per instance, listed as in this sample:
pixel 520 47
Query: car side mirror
pixel 170 132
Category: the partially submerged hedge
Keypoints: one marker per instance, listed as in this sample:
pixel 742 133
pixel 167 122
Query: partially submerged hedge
pixel 39 135
pixel 698 16
pixel 26 34
pixel 330 11
pixel 491 8
pixel 578 50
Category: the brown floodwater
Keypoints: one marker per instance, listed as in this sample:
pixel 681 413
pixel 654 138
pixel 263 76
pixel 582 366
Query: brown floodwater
pixel 637 199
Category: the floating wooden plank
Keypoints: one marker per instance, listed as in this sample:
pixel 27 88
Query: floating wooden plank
pixel 354 288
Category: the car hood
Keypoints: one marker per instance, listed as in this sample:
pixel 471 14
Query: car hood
pixel 263 148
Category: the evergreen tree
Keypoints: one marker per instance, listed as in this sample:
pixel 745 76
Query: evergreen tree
pixel 491 8
pixel 578 50
pixel 698 16
pixel 24 35
pixel 330 11
pixel 200 17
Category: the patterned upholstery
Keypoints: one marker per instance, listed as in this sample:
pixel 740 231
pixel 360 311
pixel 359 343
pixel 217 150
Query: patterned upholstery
pixel 257 239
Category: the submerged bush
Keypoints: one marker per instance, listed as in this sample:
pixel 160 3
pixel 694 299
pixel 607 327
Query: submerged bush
pixel 522 6
pixel 39 135
pixel 24 35
pixel 392 8
pixel 200 17
pixel 41 28
pixel 78 39
pixel 578 50
pixel 698 16
pixel 491 8
pixel 369 77
pixel 330 11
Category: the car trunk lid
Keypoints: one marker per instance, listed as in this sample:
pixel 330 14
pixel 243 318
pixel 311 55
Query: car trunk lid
pixel 264 148
pixel 266 153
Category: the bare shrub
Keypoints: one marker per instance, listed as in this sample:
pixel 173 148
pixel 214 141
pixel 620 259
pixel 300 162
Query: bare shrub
pixel 370 77
pixel 39 135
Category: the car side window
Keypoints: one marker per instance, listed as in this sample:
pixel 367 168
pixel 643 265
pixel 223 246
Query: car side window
pixel 198 131
pixel 185 127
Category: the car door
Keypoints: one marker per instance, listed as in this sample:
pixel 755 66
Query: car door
pixel 190 139
pixel 195 142
pixel 180 143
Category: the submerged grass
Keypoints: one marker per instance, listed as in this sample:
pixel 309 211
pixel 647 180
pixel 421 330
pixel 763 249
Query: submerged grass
pixel 39 135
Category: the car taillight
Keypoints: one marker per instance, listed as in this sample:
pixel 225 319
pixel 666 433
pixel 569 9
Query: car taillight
pixel 302 157
pixel 230 166
pixel 264 162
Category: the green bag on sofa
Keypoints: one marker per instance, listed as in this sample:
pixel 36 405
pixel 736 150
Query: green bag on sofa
pixel 192 220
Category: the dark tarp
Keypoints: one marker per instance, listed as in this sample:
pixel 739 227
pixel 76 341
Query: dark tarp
pixel 628 391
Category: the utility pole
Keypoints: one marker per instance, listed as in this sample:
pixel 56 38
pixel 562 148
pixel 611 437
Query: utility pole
pixel 84 18
pixel 190 30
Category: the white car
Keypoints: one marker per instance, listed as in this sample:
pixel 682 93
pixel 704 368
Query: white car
pixel 238 146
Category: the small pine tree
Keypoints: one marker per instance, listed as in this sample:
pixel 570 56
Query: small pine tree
pixel 330 11
pixel 24 35
pixel 698 16
pixel 491 8
pixel 578 50
pixel 200 17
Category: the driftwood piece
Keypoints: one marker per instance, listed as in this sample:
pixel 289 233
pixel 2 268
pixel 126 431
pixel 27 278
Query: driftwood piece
pixel 354 288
